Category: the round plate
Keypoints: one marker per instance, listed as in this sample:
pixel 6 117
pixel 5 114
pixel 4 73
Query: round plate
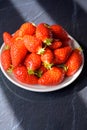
pixel 39 88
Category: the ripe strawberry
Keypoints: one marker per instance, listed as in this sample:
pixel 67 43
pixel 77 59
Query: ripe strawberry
pixel 59 32
pixel 62 54
pixel 47 58
pixel 56 44
pixel 20 72
pixel 18 33
pixel 32 43
pixel 43 32
pixel 67 42
pixel 25 29
pixel 53 76
pixel 6 59
pixel 18 52
pixel 74 62
pixel 32 61
pixel 28 28
pixel 7 39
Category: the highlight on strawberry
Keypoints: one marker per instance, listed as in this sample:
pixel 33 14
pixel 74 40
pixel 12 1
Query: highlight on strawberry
pixel 40 54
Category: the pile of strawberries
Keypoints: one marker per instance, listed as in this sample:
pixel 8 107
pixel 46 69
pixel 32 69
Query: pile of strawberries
pixel 40 54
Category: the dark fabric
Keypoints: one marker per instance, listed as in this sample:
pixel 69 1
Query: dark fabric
pixel 65 109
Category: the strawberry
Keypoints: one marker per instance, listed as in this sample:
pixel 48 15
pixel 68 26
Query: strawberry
pixel 74 62
pixel 32 43
pixel 53 76
pixel 32 61
pixel 28 28
pixel 20 72
pixel 18 33
pixel 47 58
pixel 59 32
pixel 7 39
pixel 62 54
pixel 6 59
pixel 18 52
pixel 67 42
pixel 56 44
pixel 25 29
pixel 43 32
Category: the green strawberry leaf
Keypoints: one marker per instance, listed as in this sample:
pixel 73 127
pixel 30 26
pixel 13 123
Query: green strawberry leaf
pixel 7 47
pixel 41 51
pixel 30 71
pixel 48 41
pixel 63 66
pixel 38 73
pixel 10 69
pixel 47 65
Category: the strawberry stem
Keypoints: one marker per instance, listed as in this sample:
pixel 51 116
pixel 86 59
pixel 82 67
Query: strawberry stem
pixel 41 51
pixel 38 73
pixel 19 38
pixel 79 48
pixel 30 71
pixel 46 25
pixel 33 24
pixel 48 41
pixel 10 69
pixel 63 66
pixel 7 47
pixel 48 65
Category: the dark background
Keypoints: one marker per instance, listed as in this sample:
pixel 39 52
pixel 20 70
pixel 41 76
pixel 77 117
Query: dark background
pixel 65 109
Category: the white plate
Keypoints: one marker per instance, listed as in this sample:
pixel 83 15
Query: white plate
pixel 39 88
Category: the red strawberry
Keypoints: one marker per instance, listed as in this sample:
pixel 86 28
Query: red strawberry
pixel 28 28
pixel 7 38
pixel 18 33
pixel 56 44
pixel 47 58
pixel 32 43
pixel 25 29
pixel 59 32
pixel 18 52
pixel 67 42
pixel 74 62
pixel 32 61
pixel 62 54
pixel 20 72
pixel 53 76
pixel 43 32
pixel 6 59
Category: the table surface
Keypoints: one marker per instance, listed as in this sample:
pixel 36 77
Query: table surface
pixel 65 109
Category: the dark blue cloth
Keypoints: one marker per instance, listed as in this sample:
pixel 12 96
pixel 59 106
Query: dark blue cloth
pixel 65 109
